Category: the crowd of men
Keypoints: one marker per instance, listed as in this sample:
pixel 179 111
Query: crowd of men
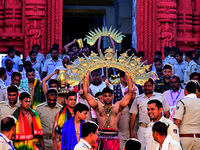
pixel 163 114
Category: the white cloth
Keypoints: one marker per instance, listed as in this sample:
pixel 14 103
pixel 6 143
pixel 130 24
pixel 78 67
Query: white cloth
pixel 2 84
pixel 178 69
pixel 16 62
pixel 8 80
pixel 98 88
pixel 169 144
pixel 83 145
pixel 4 143
pixel 190 68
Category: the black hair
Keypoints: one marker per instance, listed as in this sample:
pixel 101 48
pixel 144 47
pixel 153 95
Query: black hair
pixel 52 81
pixel 10 49
pixel 189 54
pixel 52 90
pixel 24 95
pixel 179 52
pixel 122 74
pixel 131 52
pixel 27 63
pixel 176 76
pixel 70 93
pixel 157 102
pixel 35 46
pixel 55 45
pixel 160 127
pixel 132 144
pixel 157 59
pixel 80 107
pixel 98 94
pixel 30 70
pixel 8 60
pixel 12 88
pixel 151 80
pixel 88 127
pixel 107 90
pixel 16 73
pixel 166 48
pixel 159 70
pixel 52 49
pixel 2 71
pixel 7 123
pixel 191 87
pixel 158 53
pixel 32 52
pixel 96 70
pixel 194 74
pixel 174 49
pixel 141 53
pixel 167 66
pixel 18 53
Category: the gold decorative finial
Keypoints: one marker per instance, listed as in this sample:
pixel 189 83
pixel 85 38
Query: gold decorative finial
pixel 94 35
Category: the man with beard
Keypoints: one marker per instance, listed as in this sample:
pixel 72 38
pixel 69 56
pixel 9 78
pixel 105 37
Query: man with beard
pixel 97 85
pixel 163 83
pixel 47 111
pixel 32 86
pixel 154 110
pixel 174 94
pixel 108 114
pixel 52 63
pixel 139 107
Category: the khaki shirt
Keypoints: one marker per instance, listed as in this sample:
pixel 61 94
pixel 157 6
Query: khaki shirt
pixel 4 143
pixel 123 125
pixel 189 69
pixel 4 94
pixel 188 111
pixel 173 131
pixel 139 106
pixel 47 116
pixel 6 109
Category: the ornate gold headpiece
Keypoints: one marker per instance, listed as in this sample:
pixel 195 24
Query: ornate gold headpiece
pixel 132 65
pixel 94 35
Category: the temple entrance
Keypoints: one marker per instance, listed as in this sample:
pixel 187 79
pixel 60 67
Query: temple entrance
pixel 76 25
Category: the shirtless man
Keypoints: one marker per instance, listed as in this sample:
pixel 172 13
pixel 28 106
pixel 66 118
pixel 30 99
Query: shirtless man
pixel 108 114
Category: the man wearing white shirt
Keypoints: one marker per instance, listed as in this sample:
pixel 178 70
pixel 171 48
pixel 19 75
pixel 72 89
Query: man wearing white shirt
pixel 174 94
pixel 191 67
pixel 97 85
pixel 39 57
pixel 179 66
pixel 51 64
pixel 3 77
pixel 88 136
pixel 163 138
pixel 9 71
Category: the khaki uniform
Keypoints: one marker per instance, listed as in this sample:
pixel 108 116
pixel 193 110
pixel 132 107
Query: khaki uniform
pixel 173 131
pixel 123 127
pixel 189 69
pixel 139 107
pixel 4 94
pixel 5 143
pixel 47 116
pixel 2 84
pixel 188 111
pixel 6 109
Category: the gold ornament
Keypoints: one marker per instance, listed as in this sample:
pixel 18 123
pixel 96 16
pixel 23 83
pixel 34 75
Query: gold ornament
pixel 132 65
pixel 94 35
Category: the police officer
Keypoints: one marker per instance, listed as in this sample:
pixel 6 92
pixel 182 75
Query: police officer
pixel 154 110
pixel 163 84
pixel 8 129
pixel 139 107
pixel 47 111
pixel 191 67
pixel 187 118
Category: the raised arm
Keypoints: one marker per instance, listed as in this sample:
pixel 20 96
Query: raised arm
pixel 124 102
pixel 113 44
pixel 66 47
pixel 44 84
pixel 99 44
pixel 91 100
